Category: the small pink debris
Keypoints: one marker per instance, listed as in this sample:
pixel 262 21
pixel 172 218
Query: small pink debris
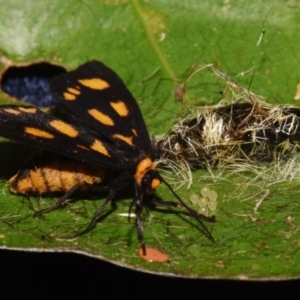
pixel 153 255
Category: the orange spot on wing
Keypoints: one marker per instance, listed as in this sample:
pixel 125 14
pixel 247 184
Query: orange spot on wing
pixel 101 117
pixel 134 131
pixel 126 139
pixel 38 133
pixel 12 111
pixel 94 83
pixel 71 93
pixel 74 91
pixel 83 147
pixel 64 128
pixel 69 97
pixel 120 107
pixel 30 110
pixel 99 147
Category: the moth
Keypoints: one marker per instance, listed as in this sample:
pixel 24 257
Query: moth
pixel 102 127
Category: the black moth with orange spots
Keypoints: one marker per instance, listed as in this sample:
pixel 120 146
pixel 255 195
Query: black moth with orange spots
pixel 104 128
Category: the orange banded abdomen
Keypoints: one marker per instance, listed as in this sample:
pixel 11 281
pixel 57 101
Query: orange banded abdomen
pixel 46 173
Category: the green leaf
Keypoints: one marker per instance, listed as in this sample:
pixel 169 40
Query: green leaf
pixel 153 46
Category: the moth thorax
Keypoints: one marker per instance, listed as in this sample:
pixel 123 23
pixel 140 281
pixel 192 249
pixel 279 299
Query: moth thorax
pixel 146 176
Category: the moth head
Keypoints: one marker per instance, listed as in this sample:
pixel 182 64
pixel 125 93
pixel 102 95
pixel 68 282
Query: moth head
pixel 150 181
pixel 146 176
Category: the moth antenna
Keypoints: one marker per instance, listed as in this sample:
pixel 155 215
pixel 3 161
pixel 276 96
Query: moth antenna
pixel 192 212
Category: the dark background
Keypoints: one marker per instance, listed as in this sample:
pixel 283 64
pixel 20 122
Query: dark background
pixel 70 276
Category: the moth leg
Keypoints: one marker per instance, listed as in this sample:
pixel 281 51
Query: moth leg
pixel 61 201
pixel 169 204
pixel 193 213
pixel 113 187
pixel 139 220
pixel 158 202
pixel 97 214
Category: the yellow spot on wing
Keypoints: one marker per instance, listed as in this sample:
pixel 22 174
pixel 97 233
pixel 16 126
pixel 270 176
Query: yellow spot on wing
pixel 11 111
pixel 94 83
pixel 64 128
pixel 120 107
pixel 102 118
pixel 38 132
pixel 69 96
pixel 99 147
pixel 30 110
pixel 126 139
